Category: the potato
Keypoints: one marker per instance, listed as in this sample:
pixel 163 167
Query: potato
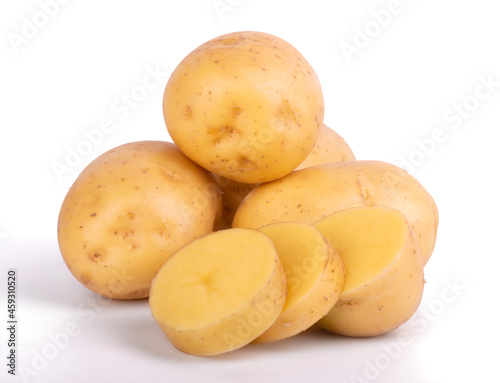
pixel 245 105
pixel 219 292
pixel 330 147
pixel 310 194
pixel 315 276
pixel 233 192
pixel 128 211
pixel 384 270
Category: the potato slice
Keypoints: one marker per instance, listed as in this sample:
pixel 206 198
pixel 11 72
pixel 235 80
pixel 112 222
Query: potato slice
pixel 315 276
pixel 219 292
pixel 384 270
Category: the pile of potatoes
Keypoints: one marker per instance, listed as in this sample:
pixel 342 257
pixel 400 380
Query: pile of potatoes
pixel 257 222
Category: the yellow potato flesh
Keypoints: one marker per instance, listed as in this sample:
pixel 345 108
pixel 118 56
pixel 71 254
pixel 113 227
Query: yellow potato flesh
pixel 315 277
pixel 384 270
pixel 367 239
pixel 219 292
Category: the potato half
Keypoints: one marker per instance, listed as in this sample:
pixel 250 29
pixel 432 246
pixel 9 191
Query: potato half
pixel 245 105
pixel 128 211
pixel 219 292
pixel 310 194
pixel 315 276
pixel 329 147
pixel 384 270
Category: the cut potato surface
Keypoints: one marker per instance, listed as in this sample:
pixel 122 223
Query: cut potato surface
pixel 315 276
pixel 368 238
pixel 219 292
pixel 384 270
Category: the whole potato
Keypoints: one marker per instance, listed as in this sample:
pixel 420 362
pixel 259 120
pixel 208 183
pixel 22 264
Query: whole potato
pixel 329 147
pixel 245 105
pixel 128 211
pixel 310 194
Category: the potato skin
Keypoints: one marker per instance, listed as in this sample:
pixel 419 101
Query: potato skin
pixel 329 147
pixel 245 105
pixel 310 194
pixel 128 211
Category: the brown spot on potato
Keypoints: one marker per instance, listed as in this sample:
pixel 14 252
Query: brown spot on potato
pixel 96 257
pixel 246 164
pixel 236 111
pixel 188 113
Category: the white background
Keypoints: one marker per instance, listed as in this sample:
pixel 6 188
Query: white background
pixel 391 85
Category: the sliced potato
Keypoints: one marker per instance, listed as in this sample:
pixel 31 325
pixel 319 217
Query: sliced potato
pixel 219 292
pixel 384 270
pixel 315 276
